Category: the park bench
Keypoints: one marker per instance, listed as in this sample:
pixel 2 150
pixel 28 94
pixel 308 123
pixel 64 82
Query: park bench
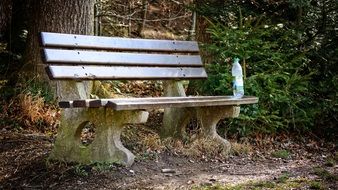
pixel 73 60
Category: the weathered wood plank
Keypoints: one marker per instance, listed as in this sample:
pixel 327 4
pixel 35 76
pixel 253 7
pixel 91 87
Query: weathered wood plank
pixel 103 102
pixel 160 102
pixel 124 105
pixel 99 42
pixel 116 58
pixel 120 72
pixel 66 104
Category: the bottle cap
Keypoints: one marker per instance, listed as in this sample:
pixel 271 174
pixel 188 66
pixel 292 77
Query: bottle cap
pixel 236 59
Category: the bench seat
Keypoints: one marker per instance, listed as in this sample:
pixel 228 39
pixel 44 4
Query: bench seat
pixel 159 102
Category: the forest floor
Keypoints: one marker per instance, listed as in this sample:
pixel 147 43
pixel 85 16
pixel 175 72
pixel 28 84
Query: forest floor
pixel 269 163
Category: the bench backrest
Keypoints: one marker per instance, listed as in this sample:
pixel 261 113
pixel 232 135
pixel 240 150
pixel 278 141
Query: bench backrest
pixel 83 57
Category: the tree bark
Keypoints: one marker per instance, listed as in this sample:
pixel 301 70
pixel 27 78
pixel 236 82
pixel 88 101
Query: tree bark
pixel 5 16
pixel 64 16
pixel 142 24
pixel 202 25
pixel 201 35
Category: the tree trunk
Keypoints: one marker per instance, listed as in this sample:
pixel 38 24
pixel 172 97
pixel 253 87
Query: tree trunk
pixel 202 25
pixel 201 35
pixel 64 16
pixel 142 24
pixel 5 15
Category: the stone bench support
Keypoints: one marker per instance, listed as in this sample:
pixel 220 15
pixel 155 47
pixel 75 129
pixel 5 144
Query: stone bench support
pixel 175 120
pixel 107 145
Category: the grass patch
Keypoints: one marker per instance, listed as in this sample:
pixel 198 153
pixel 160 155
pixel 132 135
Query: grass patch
pixel 240 149
pixel 283 178
pixel 316 185
pixel 330 162
pixel 146 143
pixel 263 185
pixel 30 112
pixel 282 183
pixel 218 187
pixel 83 170
pixel 324 174
pixel 208 148
pixel 284 154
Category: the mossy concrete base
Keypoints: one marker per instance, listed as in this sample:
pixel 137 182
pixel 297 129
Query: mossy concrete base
pixel 106 147
pixel 209 117
pixel 175 120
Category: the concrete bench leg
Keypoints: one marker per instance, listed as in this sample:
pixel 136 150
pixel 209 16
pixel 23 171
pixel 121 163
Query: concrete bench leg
pixel 209 117
pixel 106 147
pixel 175 121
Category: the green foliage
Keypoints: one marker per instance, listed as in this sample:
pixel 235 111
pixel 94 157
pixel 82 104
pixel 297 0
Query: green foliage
pixel 84 170
pixel 273 72
pixel 325 174
pixel 283 182
pixel 31 86
pixel 299 3
pixel 217 187
pixel 284 64
pixel 81 170
pixel 281 154
pixel 30 105
pixel 38 88
pixel 102 166
pixel 264 185
pixel 316 185
pixel 330 162
pixel 283 178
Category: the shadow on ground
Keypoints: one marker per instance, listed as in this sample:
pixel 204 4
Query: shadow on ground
pixel 24 165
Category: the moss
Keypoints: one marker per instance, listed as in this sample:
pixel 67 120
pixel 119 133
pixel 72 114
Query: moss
pixel 264 184
pixel 330 162
pixel 283 183
pixel 283 178
pixel 316 185
pixel 324 174
pixel 336 157
pixel 240 149
pixel 284 154
pixel 218 187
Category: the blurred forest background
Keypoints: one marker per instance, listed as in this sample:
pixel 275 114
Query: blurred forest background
pixel 288 49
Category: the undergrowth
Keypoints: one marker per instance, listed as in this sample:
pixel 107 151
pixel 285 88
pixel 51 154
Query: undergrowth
pixel 147 144
pixel 28 107
pixel 295 80
pixel 286 184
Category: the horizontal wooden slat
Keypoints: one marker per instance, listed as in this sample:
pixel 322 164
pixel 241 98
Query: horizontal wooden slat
pixel 98 42
pixel 103 102
pixel 66 104
pixel 115 58
pixel 227 101
pixel 160 102
pixel 120 73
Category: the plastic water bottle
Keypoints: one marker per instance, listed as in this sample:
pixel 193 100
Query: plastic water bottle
pixel 238 84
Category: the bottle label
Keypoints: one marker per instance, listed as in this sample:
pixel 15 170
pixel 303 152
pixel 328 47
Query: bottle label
pixel 238 81
pixel 238 87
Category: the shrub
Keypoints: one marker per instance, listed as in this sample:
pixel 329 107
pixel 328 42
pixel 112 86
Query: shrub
pixel 273 69
pixel 289 54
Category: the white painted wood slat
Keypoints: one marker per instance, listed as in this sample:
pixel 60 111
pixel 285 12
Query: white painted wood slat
pixel 58 56
pixel 120 72
pixel 49 39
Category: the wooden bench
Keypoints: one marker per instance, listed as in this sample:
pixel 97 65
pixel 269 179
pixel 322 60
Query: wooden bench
pixel 73 60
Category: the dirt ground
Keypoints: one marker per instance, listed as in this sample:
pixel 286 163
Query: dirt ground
pixel 24 165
